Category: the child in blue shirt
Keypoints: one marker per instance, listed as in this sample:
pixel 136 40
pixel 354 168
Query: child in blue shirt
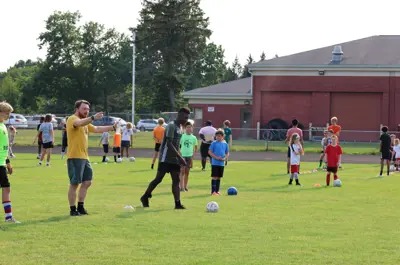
pixel 219 151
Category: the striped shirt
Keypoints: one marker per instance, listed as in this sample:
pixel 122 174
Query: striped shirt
pixel 173 133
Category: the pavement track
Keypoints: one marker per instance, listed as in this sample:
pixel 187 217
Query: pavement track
pixel 235 156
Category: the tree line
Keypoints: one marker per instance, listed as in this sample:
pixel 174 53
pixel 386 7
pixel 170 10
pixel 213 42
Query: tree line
pixel 93 62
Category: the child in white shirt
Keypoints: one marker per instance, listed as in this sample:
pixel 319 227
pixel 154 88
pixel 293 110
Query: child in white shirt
pixel 295 151
pixel 105 142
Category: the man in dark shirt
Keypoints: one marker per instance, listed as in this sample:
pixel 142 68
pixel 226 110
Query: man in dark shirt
pixel 170 160
pixel 386 154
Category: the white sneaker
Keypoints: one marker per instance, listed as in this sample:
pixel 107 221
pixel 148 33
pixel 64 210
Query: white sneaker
pixel 12 220
pixel 62 155
pixel 47 164
pixel 12 156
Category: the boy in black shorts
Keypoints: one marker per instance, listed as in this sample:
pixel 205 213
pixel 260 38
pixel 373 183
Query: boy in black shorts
pixel 219 151
pixel 386 154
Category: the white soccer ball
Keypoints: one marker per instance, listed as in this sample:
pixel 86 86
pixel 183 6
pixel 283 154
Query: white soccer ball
pixel 119 160
pixel 337 183
pixel 132 159
pixel 107 159
pixel 212 207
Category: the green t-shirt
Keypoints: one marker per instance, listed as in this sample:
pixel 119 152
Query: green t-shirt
pixel 188 142
pixel 3 144
pixel 228 133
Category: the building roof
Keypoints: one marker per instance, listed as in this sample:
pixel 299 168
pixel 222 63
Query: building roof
pixel 374 50
pixel 240 87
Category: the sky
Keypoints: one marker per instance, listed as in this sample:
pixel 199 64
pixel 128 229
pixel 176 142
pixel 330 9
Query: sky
pixel 241 27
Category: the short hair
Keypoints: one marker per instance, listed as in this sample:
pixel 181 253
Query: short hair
pixel 295 122
pixel 5 107
pixel 161 121
pixel 188 124
pixel 48 118
pixel 385 129
pixel 184 110
pixel 227 123
pixel 396 141
pixel 208 123
pixel 334 137
pixel 42 118
pixel 129 125
pixel 78 103
pixel 220 132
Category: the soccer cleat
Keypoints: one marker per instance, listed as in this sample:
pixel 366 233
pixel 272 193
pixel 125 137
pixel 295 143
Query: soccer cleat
pixel 74 213
pixel 145 201
pixel 40 163
pixel 152 166
pixel 82 211
pixel 290 182
pixel 180 207
pixel 298 184
pixel 12 220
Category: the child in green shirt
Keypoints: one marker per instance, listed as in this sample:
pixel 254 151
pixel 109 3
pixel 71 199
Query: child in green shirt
pixel 188 148
pixel 228 136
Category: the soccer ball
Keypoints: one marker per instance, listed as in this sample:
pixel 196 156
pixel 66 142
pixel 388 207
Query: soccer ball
pixel 132 159
pixel 106 160
pixel 212 207
pixel 232 191
pixel 337 183
pixel 119 160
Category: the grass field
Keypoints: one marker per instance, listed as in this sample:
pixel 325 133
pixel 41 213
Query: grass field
pixel 268 222
pixel 144 140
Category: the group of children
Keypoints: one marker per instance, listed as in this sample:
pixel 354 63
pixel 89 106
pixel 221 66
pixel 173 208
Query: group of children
pixel 390 150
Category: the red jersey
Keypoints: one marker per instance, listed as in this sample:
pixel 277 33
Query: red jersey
pixel 333 153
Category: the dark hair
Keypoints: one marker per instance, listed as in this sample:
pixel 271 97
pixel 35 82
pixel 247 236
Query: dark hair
pixel 48 118
pixel 42 119
pixel 385 129
pixel 227 123
pixel 188 124
pixel 78 103
pixel 208 123
pixel 184 110
pixel 295 122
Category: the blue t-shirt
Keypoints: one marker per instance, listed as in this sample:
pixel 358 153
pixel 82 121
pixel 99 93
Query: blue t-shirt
pixel 219 149
pixel 46 129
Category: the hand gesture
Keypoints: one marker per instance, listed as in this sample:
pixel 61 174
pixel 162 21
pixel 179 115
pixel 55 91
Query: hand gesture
pixel 9 169
pixel 98 116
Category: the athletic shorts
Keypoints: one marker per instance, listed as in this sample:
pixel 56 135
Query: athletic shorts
pixel 79 170
pixel 125 143
pixel 188 161
pixel 157 147
pixel 105 148
pixel 386 156
pixel 168 167
pixel 48 145
pixel 64 142
pixel 332 169
pixel 117 150
pixel 40 143
pixel 294 169
pixel 217 171
pixel 204 150
pixel 394 157
pixel 4 183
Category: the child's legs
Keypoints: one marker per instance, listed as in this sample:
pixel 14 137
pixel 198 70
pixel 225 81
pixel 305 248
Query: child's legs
pixel 5 196
pixel 48 154
pixel 127 151
pixel 122 151
pixel 182 177
pixel 187 170
pixel 43 154
pixel 39 148
pixel 155 157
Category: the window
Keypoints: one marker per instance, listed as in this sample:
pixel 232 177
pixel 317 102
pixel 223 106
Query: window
pixel 198 113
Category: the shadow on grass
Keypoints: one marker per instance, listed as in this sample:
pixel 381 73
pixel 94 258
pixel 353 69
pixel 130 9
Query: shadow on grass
pixel 141 210
pixel 35 222
pixel 284 189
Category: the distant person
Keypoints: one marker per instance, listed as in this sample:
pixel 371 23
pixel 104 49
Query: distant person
pixel 170 160
pixel 158 135
pixel 333 156
pixel 188 149
pixel 207 136
pixel 80 171
pixel 104 141
pixel 47 131
pixel 326 140
pixel 335 127
pixel 386 154
pixel 64 141
pixel 296 150
pixel 39 138
pixel 126 140
pixel 396 149
pixel 219 151
pixel 11 140
pixel 228 136
pixel 289 133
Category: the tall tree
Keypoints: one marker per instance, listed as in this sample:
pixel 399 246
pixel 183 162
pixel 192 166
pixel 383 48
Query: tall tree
pixel 246 70
pixel 171 36
pixel 262 57
pixel 237 67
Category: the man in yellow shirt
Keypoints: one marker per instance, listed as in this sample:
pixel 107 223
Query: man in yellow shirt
pixel 79 169
pixel 158 135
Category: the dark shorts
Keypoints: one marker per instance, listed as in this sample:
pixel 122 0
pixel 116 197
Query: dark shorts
pixel 125 143
pixel 332 169
pixel 105 148
pixel 168 167
pixel 4 183
pixel 188 161
pixel 217 171
pixel 386 156
pixel 204 150
pixel 40 143
pixel 117 150
pixel 79 170
pixel 157 147
pixel 48 145
pixel 394 156
pixel 64 142
pixel 288 152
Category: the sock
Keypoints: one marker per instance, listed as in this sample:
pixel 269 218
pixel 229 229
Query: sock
pixel 296 176
pixel 104 159
pixel 203 163
pixel 115 158
pixel 213 185
pixel 80 205
pixel 328 179
pixel 218 182
pixel 152 166
pixel 335 177
pixel 73 208
pixel 380 173
pixel 291 176
pixel 7 209
pixel 320 163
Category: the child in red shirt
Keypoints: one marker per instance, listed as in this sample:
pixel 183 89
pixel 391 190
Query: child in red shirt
pixel 333 156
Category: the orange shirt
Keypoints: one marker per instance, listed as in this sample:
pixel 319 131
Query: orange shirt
pixel 335 128
pixel 158 133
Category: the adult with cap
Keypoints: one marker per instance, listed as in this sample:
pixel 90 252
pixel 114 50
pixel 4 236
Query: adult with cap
pixel 207 136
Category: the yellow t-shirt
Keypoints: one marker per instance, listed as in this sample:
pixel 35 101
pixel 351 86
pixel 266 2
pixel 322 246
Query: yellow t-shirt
pixel 78 139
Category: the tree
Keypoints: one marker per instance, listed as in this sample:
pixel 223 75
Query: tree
pixel 237 67
pixel 171 36
pixel 246 70
pixel 262 57
pixel 276 56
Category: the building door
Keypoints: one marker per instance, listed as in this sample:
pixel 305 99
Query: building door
pixel 246 131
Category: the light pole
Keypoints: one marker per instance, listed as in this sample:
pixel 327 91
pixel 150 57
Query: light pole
pixel 133 74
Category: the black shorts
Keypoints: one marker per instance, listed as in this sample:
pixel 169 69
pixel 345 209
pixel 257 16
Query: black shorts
pixel 105 148
pixel 48 145
pixel 168 167
pixel 288 152
pixel 64 142
pixel 386 156
pixel 394 156
pixel 4 183
pixel 331 169
pixel 125 143
pixel 117 150
pixel 188 161
pixel 204 150
pixel 157 147
pixel 40 143
pixel 217 171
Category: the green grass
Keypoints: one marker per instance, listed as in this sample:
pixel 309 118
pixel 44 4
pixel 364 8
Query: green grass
pixel 145 140
pixel 267 223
